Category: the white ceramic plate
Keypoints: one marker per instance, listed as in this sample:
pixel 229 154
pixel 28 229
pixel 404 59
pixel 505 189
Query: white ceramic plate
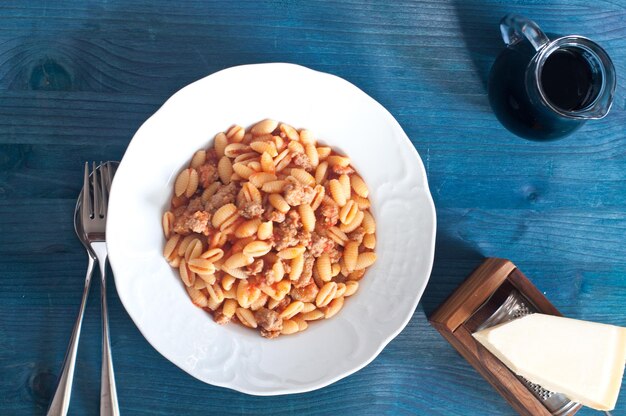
pixel 231 356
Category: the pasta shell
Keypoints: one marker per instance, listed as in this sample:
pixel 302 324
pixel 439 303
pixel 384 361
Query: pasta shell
pixel 289 327
pixel 274 186
pixel 201 266
pixel 212 254
pixel 220 144
pixel 289 131
pixel 291 252
pixel 187 276
pixel 311 153
pixel 235 134
pixel 321 172
pixel 302 176
pixel 193 250
pixel 320 192
pixel 258 179
pixel 198 159
pixel 257 248
pixel 246 317
pixel 248 228
pixel 267 163
pixel 344 180
pixel 326 294
pixel 359 186
pixel 336 160
pixel 197 297
pixel 351 288
pixel 170 247
pixel 225 170
pixel 365 260
pixel 278 202
pixel 337 235
pixel 369 241
pixel 324 270
pixel 265 147
pixel 348 212
pixel 223 214
pixel 314 315
pixel 242 170
pixel 297 266
pixel 292 310
pixel 238 260
pixel 264 127
pixel 235 149
pixel 307 217
pixel 229 308
pixel 333 307
pixel 354 224
pixel 182 181
pixel 323 152
pixel 336 191
pixel 369 225
pixel 265 231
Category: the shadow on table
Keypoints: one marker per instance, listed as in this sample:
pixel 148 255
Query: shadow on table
pixel 479 24
pixel 454 261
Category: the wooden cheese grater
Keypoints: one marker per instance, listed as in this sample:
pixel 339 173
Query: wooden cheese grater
pixel 497 292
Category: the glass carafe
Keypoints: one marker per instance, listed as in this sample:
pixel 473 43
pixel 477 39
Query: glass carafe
pixel 544 89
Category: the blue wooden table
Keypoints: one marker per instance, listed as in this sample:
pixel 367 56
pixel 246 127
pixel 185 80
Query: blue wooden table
pixel 77 79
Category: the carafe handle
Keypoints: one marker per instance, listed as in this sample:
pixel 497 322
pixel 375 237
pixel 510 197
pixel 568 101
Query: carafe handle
pixel 515 28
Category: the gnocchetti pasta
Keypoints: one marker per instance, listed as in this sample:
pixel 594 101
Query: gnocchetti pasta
pixel 268 229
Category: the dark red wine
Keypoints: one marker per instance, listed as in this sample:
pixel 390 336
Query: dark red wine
pixel 567 80
pixel 569 83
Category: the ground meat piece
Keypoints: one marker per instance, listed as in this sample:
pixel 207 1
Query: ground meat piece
pixel 304 238
pixel 280 306
pixel 197 222
pixel 268 319
pixel 269 334
pixel 251 210
pixel 255 267
pixel 285 235
pixel 179 211
pixel 357 235
pixel 297 194
pixel 272 214
pixel 207 174
pixel 320 244
pixel 334 254
pixel 307 272
pixel 302 160
pixel 211 157
pixel 195 204
pixel 341 170
pixel 340 278
pixel 330 214
pixel 220 318
pixel 306 293
pixel 224 195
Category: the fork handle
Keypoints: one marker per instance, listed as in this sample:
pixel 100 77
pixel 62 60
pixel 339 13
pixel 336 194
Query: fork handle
pixel 108 392
pixel 61 399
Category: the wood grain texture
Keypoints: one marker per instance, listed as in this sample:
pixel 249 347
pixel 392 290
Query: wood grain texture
pixel 77 78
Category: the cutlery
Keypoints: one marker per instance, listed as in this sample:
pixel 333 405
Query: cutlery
pixel 94 217
pixel 61 399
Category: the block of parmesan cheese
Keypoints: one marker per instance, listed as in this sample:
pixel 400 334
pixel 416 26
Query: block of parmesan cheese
pixel 583 360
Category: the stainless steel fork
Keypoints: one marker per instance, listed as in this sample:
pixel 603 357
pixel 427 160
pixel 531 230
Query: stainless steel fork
pixel 94 218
